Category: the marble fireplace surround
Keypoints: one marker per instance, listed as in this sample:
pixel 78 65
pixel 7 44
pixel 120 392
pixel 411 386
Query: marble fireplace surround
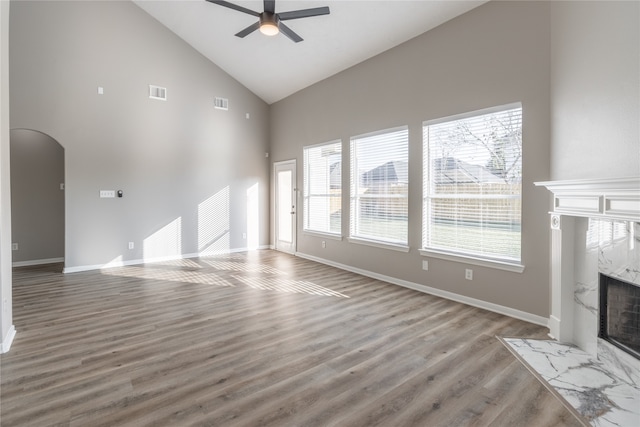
pixel 595 229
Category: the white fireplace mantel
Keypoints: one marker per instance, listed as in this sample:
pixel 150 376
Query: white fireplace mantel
pixel 615 199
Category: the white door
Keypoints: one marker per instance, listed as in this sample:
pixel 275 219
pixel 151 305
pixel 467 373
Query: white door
pixel 285 206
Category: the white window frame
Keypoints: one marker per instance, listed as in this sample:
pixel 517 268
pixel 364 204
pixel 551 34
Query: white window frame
pixel 355 236
pixel 307 195
pixel 507 264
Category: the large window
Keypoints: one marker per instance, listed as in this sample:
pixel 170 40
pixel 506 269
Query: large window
pixel 323 188
pixel 472 184
pixel 379 186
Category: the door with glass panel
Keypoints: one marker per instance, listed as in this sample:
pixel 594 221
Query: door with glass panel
pixel 285 206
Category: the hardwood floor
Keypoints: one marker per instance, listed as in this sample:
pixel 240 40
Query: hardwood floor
pixel 258 339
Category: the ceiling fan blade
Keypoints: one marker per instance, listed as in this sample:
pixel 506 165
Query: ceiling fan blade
pixel 289 33
pixel 250 29
pixel 234 7
pixel 270 6
pixel 303 13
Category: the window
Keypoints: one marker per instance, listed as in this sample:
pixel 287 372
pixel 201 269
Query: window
pixel 379 186
pixel 323 188
pixel 472 185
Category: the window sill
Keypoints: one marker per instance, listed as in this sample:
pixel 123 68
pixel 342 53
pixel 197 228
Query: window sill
pixel 323 235
pixel 381 245
pixel 500 265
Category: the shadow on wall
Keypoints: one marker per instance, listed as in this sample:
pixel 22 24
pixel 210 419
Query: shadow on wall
pixel 37 198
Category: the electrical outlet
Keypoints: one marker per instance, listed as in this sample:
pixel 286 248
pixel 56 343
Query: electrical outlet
pixel 425 264
pixel 14 246
pixel 131 245
pixel 324 244
pixel 468 274
pixel 244 235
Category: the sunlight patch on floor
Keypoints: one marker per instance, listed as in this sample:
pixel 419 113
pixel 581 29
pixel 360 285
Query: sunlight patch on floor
pixel 179 263
pixel 288 286
pixel 224 265
pixel 169 275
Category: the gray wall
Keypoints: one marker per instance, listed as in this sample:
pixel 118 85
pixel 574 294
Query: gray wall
pixel 493 55
pixel 37 202
pixel 184 167
pixel 595 78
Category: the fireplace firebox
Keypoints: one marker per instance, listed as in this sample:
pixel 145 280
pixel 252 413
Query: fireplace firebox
pixel 620 314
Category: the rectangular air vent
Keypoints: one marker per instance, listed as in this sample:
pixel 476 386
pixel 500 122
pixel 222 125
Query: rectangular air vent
pixel 157 92
pixel 221 103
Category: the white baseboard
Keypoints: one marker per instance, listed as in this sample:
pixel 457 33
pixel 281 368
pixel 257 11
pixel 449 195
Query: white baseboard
pixel 120 263
pixel 500 309
pixel 37 262
pixel 8 340
pixel 554 327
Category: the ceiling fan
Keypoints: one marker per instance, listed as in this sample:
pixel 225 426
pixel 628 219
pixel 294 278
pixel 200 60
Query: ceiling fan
pixel 270 22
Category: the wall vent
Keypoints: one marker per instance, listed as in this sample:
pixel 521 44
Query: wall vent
pixel 221 103
pixel 157 92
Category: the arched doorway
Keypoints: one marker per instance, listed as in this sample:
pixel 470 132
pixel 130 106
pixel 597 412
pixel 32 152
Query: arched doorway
pixel 37 198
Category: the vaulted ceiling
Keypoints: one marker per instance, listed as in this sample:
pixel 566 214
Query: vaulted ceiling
pixel 275 67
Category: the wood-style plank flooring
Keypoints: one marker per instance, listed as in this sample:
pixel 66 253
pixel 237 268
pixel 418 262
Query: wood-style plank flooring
pixel 258 339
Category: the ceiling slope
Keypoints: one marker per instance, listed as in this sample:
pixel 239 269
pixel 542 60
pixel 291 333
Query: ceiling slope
pixel 275 67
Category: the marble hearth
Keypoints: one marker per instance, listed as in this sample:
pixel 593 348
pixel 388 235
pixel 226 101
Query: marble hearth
pixel 595 228
pixel 600 390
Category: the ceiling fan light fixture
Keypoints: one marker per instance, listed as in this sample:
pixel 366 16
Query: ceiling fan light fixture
pixel 269 29
pixel 269 24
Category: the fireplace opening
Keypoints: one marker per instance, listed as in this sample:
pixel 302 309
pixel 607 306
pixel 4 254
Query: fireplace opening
pixel 620 314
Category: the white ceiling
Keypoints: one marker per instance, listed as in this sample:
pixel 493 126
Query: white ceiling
pixel 275 67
